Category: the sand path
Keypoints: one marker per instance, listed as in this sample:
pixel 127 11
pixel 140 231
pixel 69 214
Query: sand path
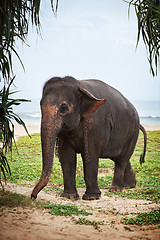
pixel 24 223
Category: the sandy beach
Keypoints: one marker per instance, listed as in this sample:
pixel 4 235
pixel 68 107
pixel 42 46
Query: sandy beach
pixel 35 128
pixel 32 128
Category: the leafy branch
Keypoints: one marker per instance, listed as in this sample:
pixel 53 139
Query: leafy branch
pixel 7 118
pixel 15 17
pixel 148 16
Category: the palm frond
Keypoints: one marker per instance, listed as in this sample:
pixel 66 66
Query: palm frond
pixel 7 118
pixel 148 16
pixel 15 18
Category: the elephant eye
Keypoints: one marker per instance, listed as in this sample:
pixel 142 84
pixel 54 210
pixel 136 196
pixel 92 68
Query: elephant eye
pixel 63 108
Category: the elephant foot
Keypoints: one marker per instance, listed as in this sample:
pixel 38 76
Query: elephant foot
pixel 129 177
pixel 130 184
pixel 130 181
pixel 115 188
pixel 91 196
pixel 71 196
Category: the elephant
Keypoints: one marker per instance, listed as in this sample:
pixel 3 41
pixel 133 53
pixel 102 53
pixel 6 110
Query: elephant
pixel 91 118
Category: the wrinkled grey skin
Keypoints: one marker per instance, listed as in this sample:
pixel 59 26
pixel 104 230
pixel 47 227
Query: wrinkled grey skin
pixel 91 118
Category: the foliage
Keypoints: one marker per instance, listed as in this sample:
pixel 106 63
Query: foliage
pixel 4 166
pixel 66 210
pixel 128 229
pixel 148 16
pixel 15 17
pixel 7 116
pixel 147 218
pixel 84 221
pixel 14 200
pixel 14 24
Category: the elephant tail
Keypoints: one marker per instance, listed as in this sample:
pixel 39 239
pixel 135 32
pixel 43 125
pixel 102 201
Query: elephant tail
pixel 145 144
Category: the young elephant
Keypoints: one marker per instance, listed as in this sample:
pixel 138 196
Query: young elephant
pixel 91 118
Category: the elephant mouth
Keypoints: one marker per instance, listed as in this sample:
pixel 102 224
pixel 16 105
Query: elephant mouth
pixel 74 132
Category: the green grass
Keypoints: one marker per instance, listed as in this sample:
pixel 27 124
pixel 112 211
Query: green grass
pixel 26 168
pixel 26 164
pixel 65 210
pixel 14 200
pixel 147 218
pixel 84 221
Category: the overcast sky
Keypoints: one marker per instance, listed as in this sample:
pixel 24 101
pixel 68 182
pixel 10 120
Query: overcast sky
pixel 87 39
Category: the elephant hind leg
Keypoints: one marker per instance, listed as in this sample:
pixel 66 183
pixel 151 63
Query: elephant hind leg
pixel 124 175
pixel 129 176
pixel 118 178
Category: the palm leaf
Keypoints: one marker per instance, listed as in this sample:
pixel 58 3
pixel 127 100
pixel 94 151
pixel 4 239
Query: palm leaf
pixel 14 24
pixel 148 16
pixel 7 117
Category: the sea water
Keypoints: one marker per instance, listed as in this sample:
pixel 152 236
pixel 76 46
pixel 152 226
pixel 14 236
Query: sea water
pixel 29 112
pixel 149 111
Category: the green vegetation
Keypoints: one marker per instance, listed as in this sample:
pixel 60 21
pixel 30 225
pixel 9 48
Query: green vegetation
pixel 84 221
pixel 128 229
pixel 65 210
pixel 148 218
pixel 16 18
pixel 7 119
pixel 148 17
pixel 14 200
pixel 26 164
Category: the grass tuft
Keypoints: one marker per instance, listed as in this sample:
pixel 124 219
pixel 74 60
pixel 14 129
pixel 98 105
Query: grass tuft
pixel 66 210
pixel 84 221
pixel 14 200
pixel 147 218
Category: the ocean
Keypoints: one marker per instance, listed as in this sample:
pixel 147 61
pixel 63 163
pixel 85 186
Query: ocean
pixel 149 111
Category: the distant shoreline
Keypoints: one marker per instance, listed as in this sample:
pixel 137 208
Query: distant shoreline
pixel 35 128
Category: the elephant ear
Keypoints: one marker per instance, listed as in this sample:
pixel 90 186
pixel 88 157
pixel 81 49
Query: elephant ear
pixel 89 103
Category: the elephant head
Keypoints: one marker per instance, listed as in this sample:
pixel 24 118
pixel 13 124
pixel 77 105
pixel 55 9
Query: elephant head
pixel 64 103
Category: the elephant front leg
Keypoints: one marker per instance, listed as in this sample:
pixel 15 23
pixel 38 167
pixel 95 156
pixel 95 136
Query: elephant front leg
pixel 90 176
pixel 68 162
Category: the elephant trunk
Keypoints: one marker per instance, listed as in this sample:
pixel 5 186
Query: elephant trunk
pixel 50 126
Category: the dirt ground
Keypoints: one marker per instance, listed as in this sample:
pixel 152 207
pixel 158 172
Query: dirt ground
pixel 29 223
